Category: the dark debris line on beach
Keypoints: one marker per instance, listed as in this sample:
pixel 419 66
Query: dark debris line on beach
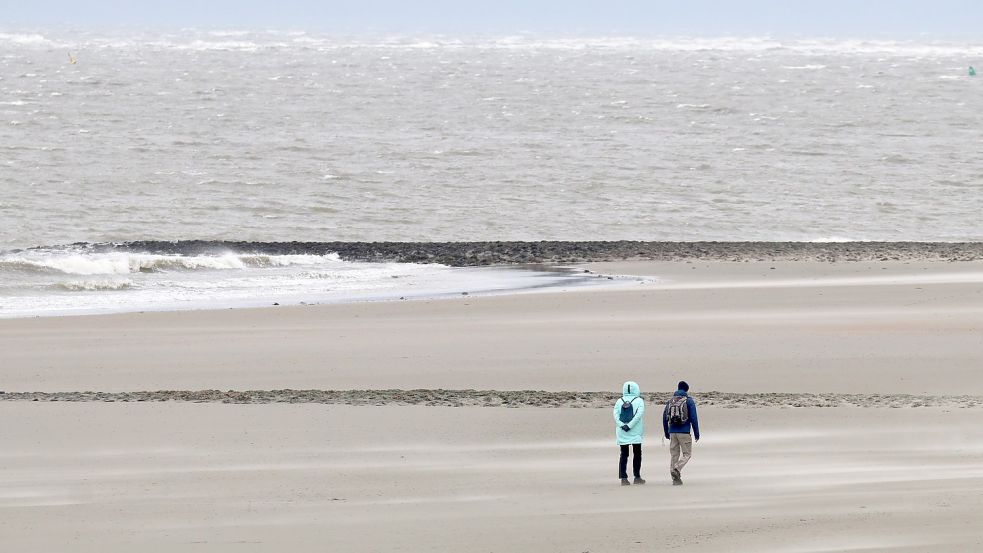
pixel 461 254
pixel 496 398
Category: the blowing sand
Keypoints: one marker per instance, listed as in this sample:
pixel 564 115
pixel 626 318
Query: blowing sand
pixel 187 477
pixel 893 461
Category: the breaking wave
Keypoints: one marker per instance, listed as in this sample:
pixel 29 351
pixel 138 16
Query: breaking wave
pixel 93 285
pixel 120 263
pixel 81 279
pixel 253 41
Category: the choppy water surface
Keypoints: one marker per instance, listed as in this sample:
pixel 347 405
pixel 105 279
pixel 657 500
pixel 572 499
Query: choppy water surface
pixel 266 136
pixel 281 136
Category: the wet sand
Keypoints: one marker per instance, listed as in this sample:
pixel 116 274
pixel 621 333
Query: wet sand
pixel 846 328
pixel 844 417
pixel 498 398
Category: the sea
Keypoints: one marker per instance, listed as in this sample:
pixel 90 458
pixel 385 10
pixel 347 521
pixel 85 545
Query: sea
pixel 261 135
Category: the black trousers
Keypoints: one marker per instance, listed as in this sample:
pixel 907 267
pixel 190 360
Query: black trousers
pixel 636 461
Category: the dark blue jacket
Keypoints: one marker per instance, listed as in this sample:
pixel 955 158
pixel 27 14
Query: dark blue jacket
pixel 685 427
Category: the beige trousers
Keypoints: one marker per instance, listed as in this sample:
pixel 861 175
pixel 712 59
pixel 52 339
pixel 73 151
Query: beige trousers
pixel 680 450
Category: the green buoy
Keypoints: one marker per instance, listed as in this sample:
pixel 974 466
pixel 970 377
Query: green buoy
pixel 972 71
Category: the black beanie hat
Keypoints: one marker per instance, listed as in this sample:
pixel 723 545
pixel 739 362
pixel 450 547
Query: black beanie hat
pixel 683 386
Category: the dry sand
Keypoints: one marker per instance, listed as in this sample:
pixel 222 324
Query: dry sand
pixel 189 477
pixel 97 476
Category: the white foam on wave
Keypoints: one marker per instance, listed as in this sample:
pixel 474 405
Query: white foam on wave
pixel 833 239
pixel 24 39
pixel 229 33
pixel 93 285
pixel 118 263
pixel 255 40
pixel 47 282
pixel 31 40
pixel 204 45
pixel 736 44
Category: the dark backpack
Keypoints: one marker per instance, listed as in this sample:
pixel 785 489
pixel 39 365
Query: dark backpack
pixel 677 412
pixel 627 412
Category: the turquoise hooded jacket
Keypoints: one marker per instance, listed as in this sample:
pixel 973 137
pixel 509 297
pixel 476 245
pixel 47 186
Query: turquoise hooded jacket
pixel 630 392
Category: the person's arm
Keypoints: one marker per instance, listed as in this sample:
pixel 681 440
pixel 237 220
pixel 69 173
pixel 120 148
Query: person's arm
pixel 665 421
pixel 638 413
pixel 694 419
pixel 617 411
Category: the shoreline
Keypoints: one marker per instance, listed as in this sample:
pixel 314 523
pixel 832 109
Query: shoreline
pixel 472 282
pixel 609 276
pixel 446 271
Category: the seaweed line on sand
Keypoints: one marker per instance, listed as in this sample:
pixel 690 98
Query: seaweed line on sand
pixel 499 398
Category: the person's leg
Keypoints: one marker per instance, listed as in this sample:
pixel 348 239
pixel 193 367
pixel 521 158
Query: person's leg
pixel 685 449
pixel 623 463
pixel 673 450
pixel 637 459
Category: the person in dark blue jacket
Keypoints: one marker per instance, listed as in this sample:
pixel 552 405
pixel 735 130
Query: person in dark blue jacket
pixel 678 419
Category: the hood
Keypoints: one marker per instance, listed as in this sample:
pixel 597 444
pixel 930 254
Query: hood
pixel 630 390
pixel 679 393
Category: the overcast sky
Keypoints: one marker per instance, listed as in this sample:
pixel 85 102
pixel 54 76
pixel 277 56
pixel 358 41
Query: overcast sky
pixel 849 18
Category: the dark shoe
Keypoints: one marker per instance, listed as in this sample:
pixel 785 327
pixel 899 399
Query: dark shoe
pixel 675 474
pixel 677 481
pixel 639 480
pixel 625 482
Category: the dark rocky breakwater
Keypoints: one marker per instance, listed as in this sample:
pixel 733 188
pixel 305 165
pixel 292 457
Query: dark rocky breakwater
pixel 470 254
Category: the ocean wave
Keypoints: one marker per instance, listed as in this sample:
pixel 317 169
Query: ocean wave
pixel 199 45
pixel 834 240
pixel 693 106
pixel 744 44
pixel 255 40
pixel 118 263
pixel 25 39
pixel 93 285
pixel 229 33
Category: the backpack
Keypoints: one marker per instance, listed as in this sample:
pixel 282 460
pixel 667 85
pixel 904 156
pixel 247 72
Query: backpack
pixel 627 412
pixel 677 412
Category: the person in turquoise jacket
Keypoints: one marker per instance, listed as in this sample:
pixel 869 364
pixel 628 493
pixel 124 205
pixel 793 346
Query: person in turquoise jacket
pixel 629 428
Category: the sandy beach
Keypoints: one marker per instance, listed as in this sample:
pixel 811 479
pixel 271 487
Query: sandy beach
pixel 911 328
pixel 345 277
pixel 391 473
pixel 163 477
